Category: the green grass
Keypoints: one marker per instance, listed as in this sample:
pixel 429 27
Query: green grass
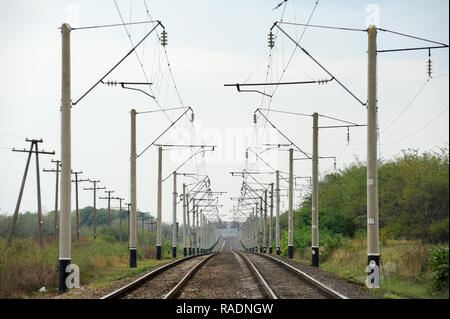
pixel 25 267
pixel 404 273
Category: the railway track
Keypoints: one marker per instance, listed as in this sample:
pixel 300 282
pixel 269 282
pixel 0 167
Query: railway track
pixel 279 280
pixel 164 282
pixel 234 273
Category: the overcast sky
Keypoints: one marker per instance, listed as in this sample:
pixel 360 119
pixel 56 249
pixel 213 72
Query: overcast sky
pixel 211 43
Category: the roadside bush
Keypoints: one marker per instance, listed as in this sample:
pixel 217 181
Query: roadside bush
pixel 438 262
pixel 329 243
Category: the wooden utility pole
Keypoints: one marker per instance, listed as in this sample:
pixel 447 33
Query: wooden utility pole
pixel 94 189
pixel 34 144
pixel 55 228
pixel 76 181
pixel 120 216
pixel 128 218
pixel 109 208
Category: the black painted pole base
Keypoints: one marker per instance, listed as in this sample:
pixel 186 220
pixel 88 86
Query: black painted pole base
pixel 190 251
pixel 158 252
pixel 63 263
pixel 260 249
pixel 133 257
pixel 265 249
pixel 185 251
pixel 198 251
pixel 270 250
pixel 174 252
pixel 278 251
pixel 315 256
pixel 291 252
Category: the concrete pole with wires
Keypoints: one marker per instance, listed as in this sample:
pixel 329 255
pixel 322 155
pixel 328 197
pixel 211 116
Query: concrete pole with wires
pixel 159 205
pixel 201 231
pixel 265 223
pixel 198 232
pixel 291 206
pixel 373 245
pixel 315 193
pixel 271 220
pixel 189 226
pixel 256 228
pixel 261 209
pixel 193 229
pixel 184 221
pixel 132 207
pixel 174 219
pixel 254 212
pixel 277 213
pixel 65 229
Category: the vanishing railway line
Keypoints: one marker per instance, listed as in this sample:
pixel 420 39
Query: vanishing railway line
pixel 227 273
pixel 289 282
pixel 163 282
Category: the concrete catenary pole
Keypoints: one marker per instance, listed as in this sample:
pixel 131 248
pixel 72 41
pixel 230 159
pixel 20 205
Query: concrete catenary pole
pixel 159 205
pixel 277 213
pixel 132 213
pixel 174 219
pixel 193 228
pixel 189 226
pixel 271 220
pixel 265 223
pixel 200 232
pixel 64 229
pixel 257 227
pixel 373 246
pixel 315 193
pixel 184 221
pixel 197 233
pixel 261 217
pixel 291 205
pixel 253 229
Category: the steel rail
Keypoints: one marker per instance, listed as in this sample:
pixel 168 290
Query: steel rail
pixel 141 280
pixel 269 292
pixel 324 288
pixel 175 291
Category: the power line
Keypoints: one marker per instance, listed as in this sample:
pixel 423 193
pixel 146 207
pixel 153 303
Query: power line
pixel 412 36
pixel 420 129
pixel 323 26
pixel 406 107
pixel 320 65
pixel 109 25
